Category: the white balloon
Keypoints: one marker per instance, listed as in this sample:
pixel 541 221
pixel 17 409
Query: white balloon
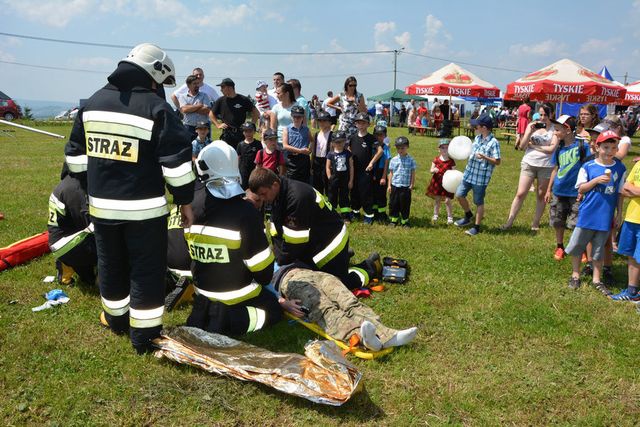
pixel 460 148
pixel 451 180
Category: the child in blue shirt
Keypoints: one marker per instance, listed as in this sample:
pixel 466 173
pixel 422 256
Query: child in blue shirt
pixel 296 139
pixel 562 194
pixel 201 141
pixel 401 179
pixel 600 180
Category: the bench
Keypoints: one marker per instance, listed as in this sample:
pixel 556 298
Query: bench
pixel 509 135
pixel 428 131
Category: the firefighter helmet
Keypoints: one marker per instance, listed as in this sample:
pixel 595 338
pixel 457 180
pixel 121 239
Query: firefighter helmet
pixel 217 166
pixel 154 61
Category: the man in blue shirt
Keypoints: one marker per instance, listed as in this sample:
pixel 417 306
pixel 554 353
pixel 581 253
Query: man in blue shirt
pixel 194 105
pixel 485 156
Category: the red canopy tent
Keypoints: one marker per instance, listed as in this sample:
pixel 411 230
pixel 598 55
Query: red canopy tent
pixel 453 80
pixel 566 81
pixel 632 97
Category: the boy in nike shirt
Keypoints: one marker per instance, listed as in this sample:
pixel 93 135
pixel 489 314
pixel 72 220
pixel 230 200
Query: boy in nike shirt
pixel 562 194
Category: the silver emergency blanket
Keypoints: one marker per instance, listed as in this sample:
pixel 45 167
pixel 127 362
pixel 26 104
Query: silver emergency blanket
pixel 322 375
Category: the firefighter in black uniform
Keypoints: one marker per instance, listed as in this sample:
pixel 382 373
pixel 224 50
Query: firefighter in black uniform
pixel 233 260
pixel 130 142
pixel 305 228
pixel 70 230
pixel 366 152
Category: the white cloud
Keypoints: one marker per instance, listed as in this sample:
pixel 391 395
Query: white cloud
pixel 544 48
pixel 598 45
pixel 53 13
pixel 436 37
pixel 274 16
pixel 6 56
pixel 403 39
pixel 381 32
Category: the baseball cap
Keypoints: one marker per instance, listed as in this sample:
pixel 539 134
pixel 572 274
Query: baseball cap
pixel 248 126
pixel 361 117
pixel 339 136
pixel 226 82
pixel 484 120
pixel 201 125
pixel 270 134
pixel 599 128
pixel 443 141
pixel 297 110
pixel 607 135
pixel 323 115
pixel 261 83
pixel 566 119
pixel 402 140
pixel 379 130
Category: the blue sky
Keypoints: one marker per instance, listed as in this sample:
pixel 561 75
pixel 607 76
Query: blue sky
pixel 510 35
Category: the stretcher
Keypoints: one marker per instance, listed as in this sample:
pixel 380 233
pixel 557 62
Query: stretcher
pixel 352 348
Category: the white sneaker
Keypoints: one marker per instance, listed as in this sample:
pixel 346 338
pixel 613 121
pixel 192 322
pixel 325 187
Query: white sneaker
pixel 434 218
pixel 401 338
pixel 449 220
pixel 369 337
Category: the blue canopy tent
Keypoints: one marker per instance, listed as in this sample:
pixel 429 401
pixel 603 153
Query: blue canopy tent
pixel 573 109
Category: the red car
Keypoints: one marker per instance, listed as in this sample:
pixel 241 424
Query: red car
pixel 9 110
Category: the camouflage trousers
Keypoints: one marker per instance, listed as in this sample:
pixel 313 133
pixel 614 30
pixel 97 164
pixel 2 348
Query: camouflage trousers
pixel 331 305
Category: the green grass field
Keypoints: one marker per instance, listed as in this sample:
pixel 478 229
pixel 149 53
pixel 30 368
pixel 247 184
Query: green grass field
pixel 502 340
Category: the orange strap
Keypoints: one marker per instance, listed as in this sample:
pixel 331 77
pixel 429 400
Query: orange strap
pixel 354 342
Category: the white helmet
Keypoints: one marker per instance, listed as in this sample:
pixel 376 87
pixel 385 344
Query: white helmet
pixel 217 167
pixel 154 61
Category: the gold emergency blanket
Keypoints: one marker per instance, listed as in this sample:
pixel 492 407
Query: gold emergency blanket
pixel 321 376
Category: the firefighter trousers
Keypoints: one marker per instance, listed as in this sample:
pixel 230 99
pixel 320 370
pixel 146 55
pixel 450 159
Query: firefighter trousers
pixel 237 319
pixel 319 175
pixel 132 262
pixel 336 310
pixel 361 194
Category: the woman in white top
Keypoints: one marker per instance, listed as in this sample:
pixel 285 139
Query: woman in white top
pixel 349 103
pixel 280 116
pixel 539 143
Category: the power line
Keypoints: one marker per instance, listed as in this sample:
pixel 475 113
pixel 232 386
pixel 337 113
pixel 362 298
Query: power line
pixel 182 50
pixel 490 67
pixel 82 70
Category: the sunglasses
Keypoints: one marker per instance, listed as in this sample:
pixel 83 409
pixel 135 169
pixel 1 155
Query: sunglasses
pixel 353 86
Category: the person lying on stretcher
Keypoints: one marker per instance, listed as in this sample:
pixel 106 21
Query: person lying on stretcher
pixel 323 299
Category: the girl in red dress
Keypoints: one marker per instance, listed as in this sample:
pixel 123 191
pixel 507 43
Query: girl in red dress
pixel 437 118
pixel 439 166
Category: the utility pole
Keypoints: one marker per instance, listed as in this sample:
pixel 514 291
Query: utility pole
pixel 396 52
pixel 626 74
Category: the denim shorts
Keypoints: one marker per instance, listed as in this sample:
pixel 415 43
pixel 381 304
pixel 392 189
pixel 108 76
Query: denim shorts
pixel 478 192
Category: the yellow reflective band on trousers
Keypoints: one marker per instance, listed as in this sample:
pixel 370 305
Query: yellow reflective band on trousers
pixel 362 274
pixel 64 245
pixel 147 318
pixel 115 307
pixel 132 210
pixel 118 123
pixel 260 261
pixel 257 318
pixel 295 236
pixel 180 175
pixel 332 249
pixel 213 236
pixel 252 290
